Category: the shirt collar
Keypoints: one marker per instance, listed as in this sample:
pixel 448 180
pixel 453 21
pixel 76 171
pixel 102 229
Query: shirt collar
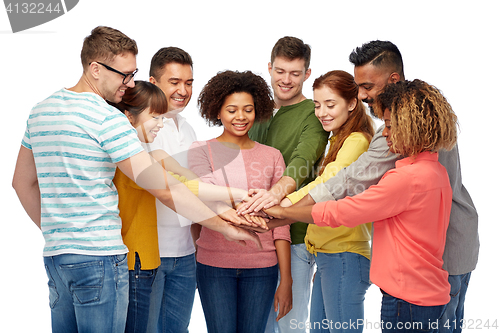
pixel 423 156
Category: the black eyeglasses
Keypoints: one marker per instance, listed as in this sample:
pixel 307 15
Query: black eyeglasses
pixel 126 77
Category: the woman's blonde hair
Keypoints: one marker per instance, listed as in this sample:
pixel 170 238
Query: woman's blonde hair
pixel 421 117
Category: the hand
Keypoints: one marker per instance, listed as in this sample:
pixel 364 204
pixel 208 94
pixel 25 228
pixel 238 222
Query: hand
pixel 286 202
pixel 259 199
pixel 232 217
pixel 255 219
pixel 241 236
pixel 255 229
pixel 276 212
pixel 283 299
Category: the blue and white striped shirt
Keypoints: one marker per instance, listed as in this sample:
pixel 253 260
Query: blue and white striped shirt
pixel 76 139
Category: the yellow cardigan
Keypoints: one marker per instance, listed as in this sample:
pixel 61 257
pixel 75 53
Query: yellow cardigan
pixel 342 239
pixel 138 214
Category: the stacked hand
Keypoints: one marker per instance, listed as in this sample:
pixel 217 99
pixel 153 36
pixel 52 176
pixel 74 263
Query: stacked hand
pixel 259 199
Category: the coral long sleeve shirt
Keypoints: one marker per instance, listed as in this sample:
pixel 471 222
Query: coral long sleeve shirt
pixel 411 208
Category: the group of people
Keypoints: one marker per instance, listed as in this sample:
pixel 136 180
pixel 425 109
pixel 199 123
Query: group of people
pixel 137 214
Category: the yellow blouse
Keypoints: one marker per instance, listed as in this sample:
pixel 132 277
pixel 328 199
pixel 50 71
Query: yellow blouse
pixel 342 239
pixel 138 213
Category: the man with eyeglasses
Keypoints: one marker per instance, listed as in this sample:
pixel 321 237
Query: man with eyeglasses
pixel 73 142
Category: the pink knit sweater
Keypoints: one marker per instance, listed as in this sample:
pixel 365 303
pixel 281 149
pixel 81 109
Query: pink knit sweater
pixel 257 168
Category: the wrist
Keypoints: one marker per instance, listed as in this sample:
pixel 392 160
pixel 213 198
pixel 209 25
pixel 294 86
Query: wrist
pixel 286 280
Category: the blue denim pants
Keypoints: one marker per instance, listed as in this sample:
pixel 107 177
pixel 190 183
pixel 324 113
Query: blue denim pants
pixel 302 265
pixel 173 295
pixel 87 293
pixel 452 319
pixel 236 300
pixel 140 287
pixel 398 315
pixel 339 289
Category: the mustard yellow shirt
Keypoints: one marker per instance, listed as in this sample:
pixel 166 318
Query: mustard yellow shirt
pixel 342 239
pixel 138 214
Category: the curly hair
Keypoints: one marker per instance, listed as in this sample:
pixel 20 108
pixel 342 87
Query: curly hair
pixel 214 93
pixel 343 84
pixel 421 117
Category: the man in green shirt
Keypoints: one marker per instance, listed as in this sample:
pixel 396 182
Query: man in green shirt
pixel 297 133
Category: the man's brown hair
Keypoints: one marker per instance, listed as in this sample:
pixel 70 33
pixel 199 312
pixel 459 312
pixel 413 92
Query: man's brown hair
pixel 292 48
pixel 105 43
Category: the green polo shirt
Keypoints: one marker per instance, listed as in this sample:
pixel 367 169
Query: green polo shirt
pixel 298 135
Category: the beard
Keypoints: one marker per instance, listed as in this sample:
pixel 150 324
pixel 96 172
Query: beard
pixel 369 101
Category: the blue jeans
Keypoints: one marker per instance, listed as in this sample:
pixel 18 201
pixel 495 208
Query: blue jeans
pixel 302 264
pixel 398 315
pixel 87 293
pixel 236 300
pixel 453 316
pixel 339 289
pixel 140 287
pixel 173 295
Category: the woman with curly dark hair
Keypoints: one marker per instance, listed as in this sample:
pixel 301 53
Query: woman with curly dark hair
pixel 236 284
pixel 410 207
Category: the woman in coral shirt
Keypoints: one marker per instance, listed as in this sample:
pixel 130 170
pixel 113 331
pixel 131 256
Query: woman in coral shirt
pixel 410 207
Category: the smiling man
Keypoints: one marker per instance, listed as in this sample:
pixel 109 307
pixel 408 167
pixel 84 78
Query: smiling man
pixel 377 64
pixel 172 70
pixel 73 143
pixel 296 132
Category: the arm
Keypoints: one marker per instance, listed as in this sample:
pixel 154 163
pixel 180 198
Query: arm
pixel 367 170
pixel 228 214
pixel 287 215
pixel 152 177
pixel 354 145
pixel 206 192
pixel 390 197
pixel 311 145
pixel 25 183
pixel 283 295
pixel 261 199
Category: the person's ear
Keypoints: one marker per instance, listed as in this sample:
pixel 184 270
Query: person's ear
pixel 152 80
pixel 269 67
pixel 94 70
pixel 130 116
pixel 352 105
pixel 308 73
pixel 394 77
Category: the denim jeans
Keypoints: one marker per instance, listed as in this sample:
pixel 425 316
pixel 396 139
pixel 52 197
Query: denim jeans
pixel 173 295
pixel 87 293
pixel 339 289
pixel 453 316
pixel 140 287
pixel 398 315
pixel 236 300
pixel 302 272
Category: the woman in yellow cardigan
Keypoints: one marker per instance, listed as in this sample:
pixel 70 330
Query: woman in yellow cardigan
pixel 342 254
pixel 145 105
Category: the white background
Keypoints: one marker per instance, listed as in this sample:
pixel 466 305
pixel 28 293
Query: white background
pixel 450 44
